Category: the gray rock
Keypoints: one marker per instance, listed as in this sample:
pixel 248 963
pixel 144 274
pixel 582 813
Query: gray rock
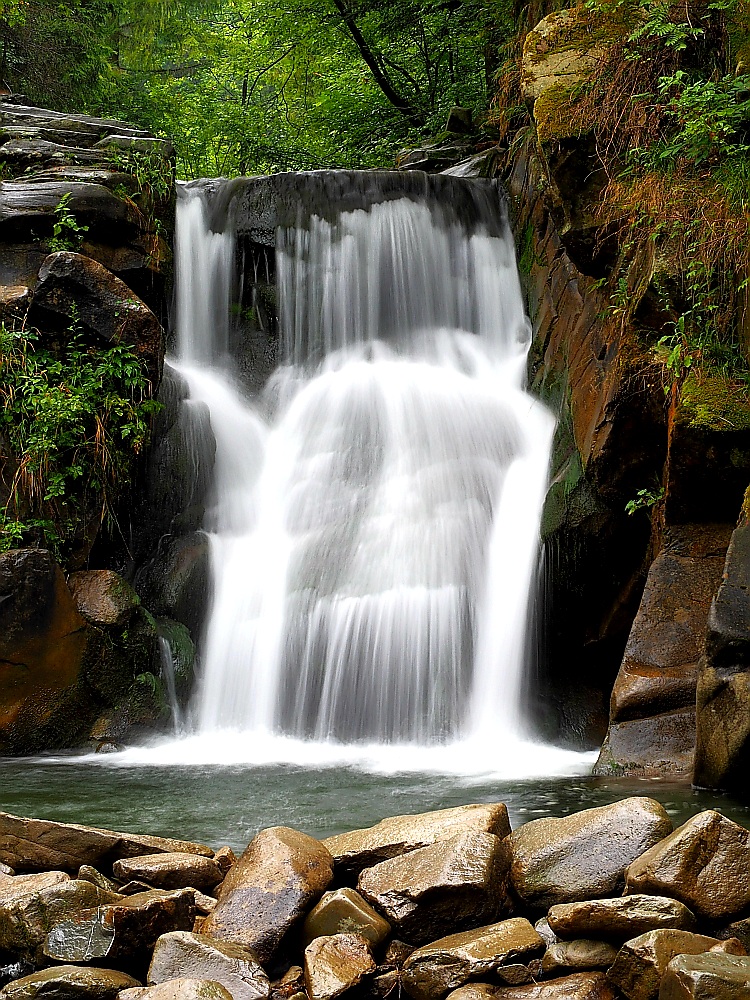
pixel 448 887
pixel 584 855
pixel 345 912
pixel 581 954
pixel 69 982
pixel 335 965
pixel 170 871
pixel 712 976
pixel 197 956
pixel 179 989
pixel 620 918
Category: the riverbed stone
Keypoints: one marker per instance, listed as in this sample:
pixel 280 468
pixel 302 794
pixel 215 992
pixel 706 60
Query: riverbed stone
pixel 584 855
pixel 40 844
pixel 279 877
pixel 90 874
pixel 6 869
pixel 396 835
pixel 705 864
pixel 170 871
pixel 124 929
pixel 579 954
pixel 640 964
pixel 579 986
pixel 447 887
pixel 620 918
pixel 336 964
pixel 438 968
pixel 179 989
pixel 344 911
pixel 198 956
pixel 711 976
pixel 69 982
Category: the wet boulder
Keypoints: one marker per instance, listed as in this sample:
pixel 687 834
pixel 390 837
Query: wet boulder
pixel 579 986
pixel 438 968
pixel 448 887
pixel 620 918
pixel 103 598
pixel 580 954
pixel 279 877
pixel 584 855
pixel 170 871
pixel 705 864
pixel 711 976
pixel 345 911
pixel 396 835
pixel 179 989
pixel 196 956
pixel 335 965
pixel 69 982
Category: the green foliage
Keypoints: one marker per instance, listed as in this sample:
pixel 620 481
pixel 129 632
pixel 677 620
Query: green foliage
pixel 658 23
pixel 73 418
pixel 151 170
pixel 67 233
pixel 644 500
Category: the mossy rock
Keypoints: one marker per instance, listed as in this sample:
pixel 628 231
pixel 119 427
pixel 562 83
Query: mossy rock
pixel 558 113
pixel 738 29
pixel 714 402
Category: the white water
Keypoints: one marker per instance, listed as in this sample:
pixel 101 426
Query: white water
pixel 374 532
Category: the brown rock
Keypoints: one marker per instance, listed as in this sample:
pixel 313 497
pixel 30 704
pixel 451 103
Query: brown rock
pixel 170 871
pixel 225 858
pixel 89 874
pixel 6 870
pixel 584 855
pixel 397 952
pixel 179 989
pixel 281 874
pixel 103 597
pixel 450 886
pixel 345 912
pixel 582 953
pixel 25 885
pixel 200 957
pixel 739 929
pixel 705 864
pixel 444 965
pixel 620 918
pixel 641 962
pixel 40 844
pixel 69 982
pixel 397 835
pixel 712 976
pixel 580 986
pixel 334 965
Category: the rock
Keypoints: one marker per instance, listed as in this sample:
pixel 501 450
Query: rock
pixel 739 929
pixel 280 876
pixel 544 930
pixel 620 918
pixel 397 835
pixel 40 844
pixel 397 952
pixel 179 989
pixel 336 964
pixel 170 871
pixel 89 874
pixel 225 858
pixel 711 976
pixel 460 121
pixel 126 929
pixel 103 597
pixel 385 983
pixel 580 986
pixel 437 968
pixel 447 887
pixel 705 864
pixel 582 953
pixel 26 918
pixel 723 701
pixel 25 885
pixel 69 982
pixel 200 957
pixel 204 904
pixel 641 962
pixel 9 971
pixel 584 855
pixel 290 984
pixel 6 870
pixel 344 911
pixel 73 285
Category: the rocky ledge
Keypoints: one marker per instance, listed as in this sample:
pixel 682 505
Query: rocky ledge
pixel 603 904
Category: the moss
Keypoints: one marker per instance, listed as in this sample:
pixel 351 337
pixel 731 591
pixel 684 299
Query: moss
pixel 526 255
pixel 557 113
pixel 714 402
pixel 580 29
pixel 738 30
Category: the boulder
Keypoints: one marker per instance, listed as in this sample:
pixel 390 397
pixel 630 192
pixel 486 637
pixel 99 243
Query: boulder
pixel 641 962
pixel 90 874
pixel 711 976
pixel 397 835
pixel 179 989
pixel 580 986
pixel 170 871
pixel 280 876
pixel 739 929
pixel 438 968
pixel 620 918
pixel 583 953
pixel 103 598
pixel 705 864
pixel 584 855
pixel 336 964
pixel 41 844
pixel 344 911
pixel 448 887
pixel 200 957
pixel 225 858
pixel 15 888
pixel 126 929
pixel 69 982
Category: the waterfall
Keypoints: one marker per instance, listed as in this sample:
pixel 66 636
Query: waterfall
pixel 375 517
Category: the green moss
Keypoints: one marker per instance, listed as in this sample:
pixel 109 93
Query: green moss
pixel 580 29
pixel 557 113
pixel 738 30
pixel 714 402
pixel 526 255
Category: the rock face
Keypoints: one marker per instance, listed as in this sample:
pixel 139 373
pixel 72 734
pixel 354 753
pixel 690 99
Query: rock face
pixel 652 709
pixel 197 956
pixel 334 965
pixel 173 870
pixel 620 918
pixel 279 877
pixel 345 911
pixel 706 977
pixel 69 982
pixel 585 855
pixel 705 863
pixel 447 887
pixel 435 970
pixel 397 835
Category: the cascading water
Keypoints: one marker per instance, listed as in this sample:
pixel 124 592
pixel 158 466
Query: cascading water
pixel 374 530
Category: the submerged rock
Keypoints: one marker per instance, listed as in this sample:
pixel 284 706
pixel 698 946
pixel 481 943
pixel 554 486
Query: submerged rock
pixel 70 982
pixel 335 965
pixel 620 918
pixel 345 912
pixel 198 956
pixel 170 871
